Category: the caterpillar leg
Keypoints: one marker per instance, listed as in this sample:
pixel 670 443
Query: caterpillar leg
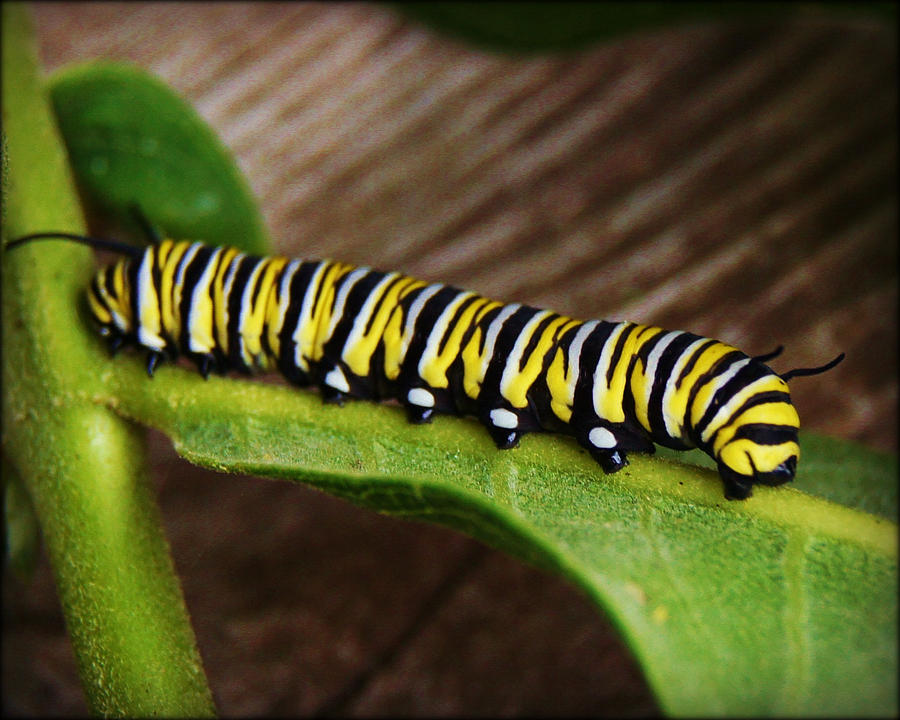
pixel 334 386
pixel 115 342
pixel 419 415
pixel 332 396
pixel 608 444
pixel 504 427
pixel 205 364
pixel 737 487
pixel 153 358
pixel 610 460
pixel 419 404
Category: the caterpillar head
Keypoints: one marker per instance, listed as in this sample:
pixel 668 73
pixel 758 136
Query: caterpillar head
pixel 760 453
pixel 110 293
pixel 109 301
pixel 760 444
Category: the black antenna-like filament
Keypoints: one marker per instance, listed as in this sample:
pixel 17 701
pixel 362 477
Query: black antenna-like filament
pixel 770 355
pixel 97 243
pixel 798 372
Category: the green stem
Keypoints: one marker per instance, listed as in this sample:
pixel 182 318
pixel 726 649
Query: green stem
pixel 81 464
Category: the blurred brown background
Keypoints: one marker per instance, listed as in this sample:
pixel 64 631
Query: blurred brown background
pixel 737 180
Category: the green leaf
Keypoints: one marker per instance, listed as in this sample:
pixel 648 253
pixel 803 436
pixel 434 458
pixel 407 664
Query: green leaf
pixel 545 26
pixel 782 604
pixel 133 140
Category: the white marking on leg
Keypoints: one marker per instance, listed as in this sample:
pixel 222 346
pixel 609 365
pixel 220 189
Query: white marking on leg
pixel 420 397
pixel 337 380
pixel 602 438
pixel 503 418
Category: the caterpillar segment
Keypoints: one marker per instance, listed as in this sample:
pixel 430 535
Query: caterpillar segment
pixel 617 387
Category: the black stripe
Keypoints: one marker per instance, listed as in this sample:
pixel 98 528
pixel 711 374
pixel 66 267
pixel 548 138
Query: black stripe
pixel 564 342
pixel 662 380
pixel 766 434
pixel 454 321
pixel 720 366
pixel 193 271
pixel 258 282
pixel 421 327
pixel 746 375
pixel 534 340
pixel 591 349
pixel 131 273
pixel 382 300
pixel 245 266
pixel 297 291
pixel 690 364
pixel 619 349
pixel 760 398
pixel 353 304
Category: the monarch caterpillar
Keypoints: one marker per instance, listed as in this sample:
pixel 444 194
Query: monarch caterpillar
pixel 353 331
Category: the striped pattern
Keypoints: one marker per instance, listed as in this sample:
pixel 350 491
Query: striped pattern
pixel 358 332
pixel 738 179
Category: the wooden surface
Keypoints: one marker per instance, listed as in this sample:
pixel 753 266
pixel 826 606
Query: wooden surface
pixel 735 180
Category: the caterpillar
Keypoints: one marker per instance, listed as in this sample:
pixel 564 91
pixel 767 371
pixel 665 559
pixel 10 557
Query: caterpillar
pixel 617 387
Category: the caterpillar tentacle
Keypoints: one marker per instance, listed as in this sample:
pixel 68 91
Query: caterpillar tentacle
pixel 617 387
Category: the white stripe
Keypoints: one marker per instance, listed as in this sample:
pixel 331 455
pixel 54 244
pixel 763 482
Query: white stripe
pixel 341 300
pixel 653 363
pixel 363 316
pixel 305 318
pixel 727 408
pixel 201 288
pixel 575 356
pixel 511 369
pixel 491 336
pixel 601 386
pixel 675 425
pixel 147 295
pixel 433 343
pixel 233 267
pixel 184 262
pixel 414 310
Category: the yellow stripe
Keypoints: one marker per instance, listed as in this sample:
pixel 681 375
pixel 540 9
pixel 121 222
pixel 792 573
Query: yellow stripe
pixel 149 322
pixel 98 308
pixel 725 415
pixel 253 317
pixel 677 405
pixel 171 296
pixel 639 379
pixel 475 360
pixel 517 387
pixel 200 315
pixel 358 354
pixel 773 413
pixel 434 363
pixel 220 300
pixel 609 397
pixel 321 312
pixel 765 457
